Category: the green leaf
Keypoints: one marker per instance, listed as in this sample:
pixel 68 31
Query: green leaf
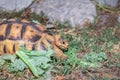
pixel 37 61
pixel 8 57
pixel 89 64
pixel 25 58
pixel 37 53
pixel 93 59
pixel 35 21
pixel 2 61
pixel 17 65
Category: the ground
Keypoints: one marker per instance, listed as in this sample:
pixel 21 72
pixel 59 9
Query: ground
pixel 94 51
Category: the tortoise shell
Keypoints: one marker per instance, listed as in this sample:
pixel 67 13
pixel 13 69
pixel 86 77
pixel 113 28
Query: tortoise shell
pixel 33 36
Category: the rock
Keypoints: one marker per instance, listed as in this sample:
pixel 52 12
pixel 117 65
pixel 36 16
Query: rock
pixel 17 5
pixel 111 3
pixel 119 18
pixel 48 26
pixel 76 12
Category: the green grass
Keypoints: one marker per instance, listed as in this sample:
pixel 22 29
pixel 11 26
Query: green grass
pixel 39 62
pixel 92 44
pixel 66 66
pixel 95 44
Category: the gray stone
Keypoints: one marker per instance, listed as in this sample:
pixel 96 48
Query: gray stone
pixel 77 12
pixel 112 3
pixel 119 18
pixel 49 26
pixel 17 5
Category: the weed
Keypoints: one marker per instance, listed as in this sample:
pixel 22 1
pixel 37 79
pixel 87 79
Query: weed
pixel 65 67
pixel 61 25
pixel 105 78
pixel 98 43
pixel 94 45
pixel 37 61
pixel 93 60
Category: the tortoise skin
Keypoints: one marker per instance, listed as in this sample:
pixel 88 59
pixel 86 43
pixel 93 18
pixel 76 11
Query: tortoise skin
pixel 17 32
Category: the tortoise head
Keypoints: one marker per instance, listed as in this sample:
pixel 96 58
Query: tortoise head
pixel 61 42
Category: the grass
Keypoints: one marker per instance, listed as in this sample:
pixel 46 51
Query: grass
pixel 39 62
pixel 88 48
pixel 94 46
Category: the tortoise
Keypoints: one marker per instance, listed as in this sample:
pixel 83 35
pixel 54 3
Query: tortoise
pixel 33 36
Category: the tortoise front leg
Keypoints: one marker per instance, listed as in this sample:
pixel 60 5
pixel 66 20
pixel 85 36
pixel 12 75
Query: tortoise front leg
pixel 59 53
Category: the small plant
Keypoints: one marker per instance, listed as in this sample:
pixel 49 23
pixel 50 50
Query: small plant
pixel 66 66
pixel 93 60
pixel 61 25
pixel 37 61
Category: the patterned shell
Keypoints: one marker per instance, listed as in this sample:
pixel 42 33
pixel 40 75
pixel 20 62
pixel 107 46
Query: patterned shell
pixel 17 32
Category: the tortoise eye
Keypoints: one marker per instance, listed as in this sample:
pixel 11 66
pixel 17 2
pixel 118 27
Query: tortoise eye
pixel 31 31
pixel 17 26
pixel 63 42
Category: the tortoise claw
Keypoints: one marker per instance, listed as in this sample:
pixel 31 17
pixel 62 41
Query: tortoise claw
pixel 61 57
pixel 64 57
